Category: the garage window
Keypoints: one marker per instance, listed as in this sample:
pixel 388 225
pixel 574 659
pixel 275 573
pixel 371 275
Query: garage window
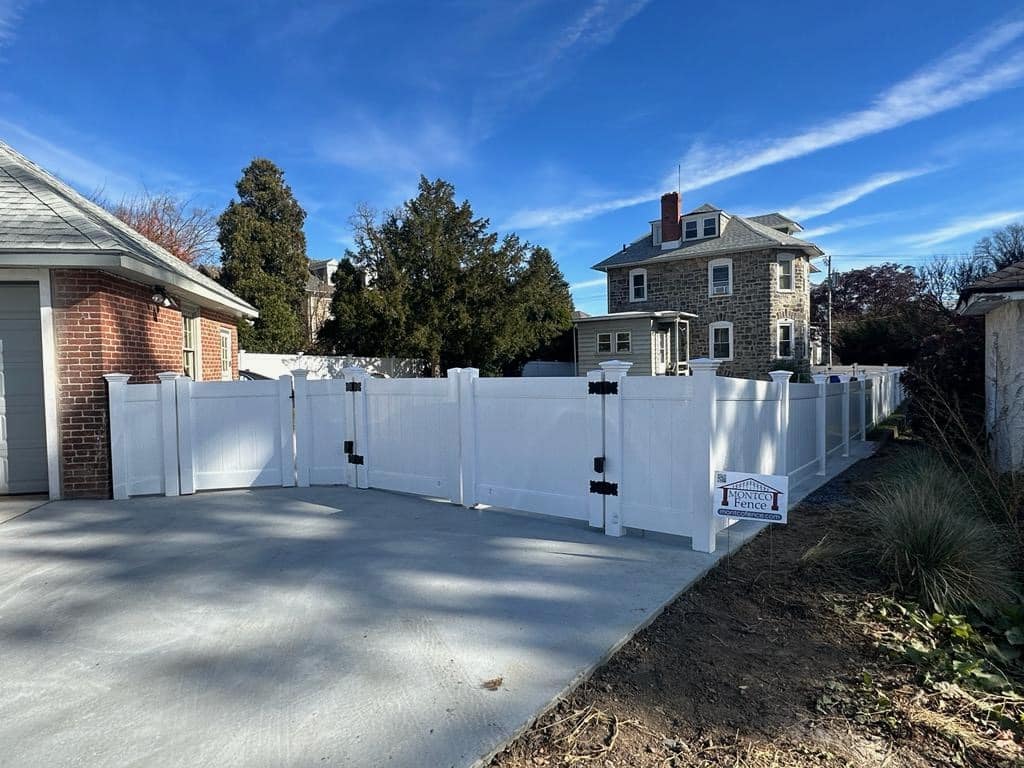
pixel 189 343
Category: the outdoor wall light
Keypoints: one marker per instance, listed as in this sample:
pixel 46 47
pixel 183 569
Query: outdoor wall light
pixel 160 297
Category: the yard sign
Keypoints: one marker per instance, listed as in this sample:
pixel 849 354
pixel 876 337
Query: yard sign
pixel 744 496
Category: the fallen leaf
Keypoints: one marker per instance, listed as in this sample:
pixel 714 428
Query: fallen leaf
pixel 493 684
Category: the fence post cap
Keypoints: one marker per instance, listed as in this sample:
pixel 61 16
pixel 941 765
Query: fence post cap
pixel 615 365
pixel 451 373
pixel 168 375
pixel 820 378
pixel 471 372
pixel 778 376
pixel 117 378
pixel 300 373
pixel 702 364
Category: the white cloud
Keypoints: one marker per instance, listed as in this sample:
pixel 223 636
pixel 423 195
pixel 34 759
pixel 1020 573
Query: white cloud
pixel 597 282
pixel 964 225
pixel 10 15
pixel 990 62
pixel 408 147
pixel 835 200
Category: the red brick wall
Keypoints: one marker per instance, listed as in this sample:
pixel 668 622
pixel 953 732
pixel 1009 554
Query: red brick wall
pixel 106 324
pixel 210 326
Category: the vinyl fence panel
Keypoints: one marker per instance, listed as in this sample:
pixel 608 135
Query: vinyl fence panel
pixel 746 437
pixel 327 425
pixel 833 417
pixel 801 439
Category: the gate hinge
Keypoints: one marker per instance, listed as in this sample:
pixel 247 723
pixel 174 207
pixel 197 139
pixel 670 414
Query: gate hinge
pixel 604 488
pixel 350 446
pixel 353 386
pixel 355 458
pixel 599 465
pixel 603 388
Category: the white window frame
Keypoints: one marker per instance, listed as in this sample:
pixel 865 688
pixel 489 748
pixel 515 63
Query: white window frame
pixel 711 271
pixel 779 325
pixel 629 342
pixel 696 230
pixel 782 258
pixel 225 355
pixel 711 340
pixel 704 226
pixel 608 351
pixel 633 273
pixel 190 315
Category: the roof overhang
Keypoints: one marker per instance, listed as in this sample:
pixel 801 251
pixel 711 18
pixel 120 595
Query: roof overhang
pixel 665 314
pixel 812 251
pixel 128 266
pixel 983 302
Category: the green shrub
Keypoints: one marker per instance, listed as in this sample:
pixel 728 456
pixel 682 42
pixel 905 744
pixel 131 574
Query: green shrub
pixel 923 531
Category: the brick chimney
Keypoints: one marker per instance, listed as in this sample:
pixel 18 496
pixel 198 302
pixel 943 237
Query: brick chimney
pixel 670 214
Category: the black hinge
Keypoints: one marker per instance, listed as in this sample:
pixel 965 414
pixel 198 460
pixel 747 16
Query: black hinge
pixel 350 446
pixel 355 458
pixel 603 387
pixel 604 488
pixel 353 386
pixel 599 465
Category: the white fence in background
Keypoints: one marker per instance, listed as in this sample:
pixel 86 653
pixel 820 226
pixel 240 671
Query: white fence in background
pixel 617 451
pixel 325 366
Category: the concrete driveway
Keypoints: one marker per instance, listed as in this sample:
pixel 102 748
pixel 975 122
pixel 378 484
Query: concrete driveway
pixel 304 627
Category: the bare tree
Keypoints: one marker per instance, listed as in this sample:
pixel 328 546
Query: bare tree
pixel 1002 248
pixel 945 277
pixel 186 230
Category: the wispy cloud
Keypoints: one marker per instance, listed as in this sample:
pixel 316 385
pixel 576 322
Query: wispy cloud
pixel 835 200
pixel 408 146
pixel 987 63
pixel 10 15
pixel 964 225
pixel 597 282
pixel 847 224
pixel 595 27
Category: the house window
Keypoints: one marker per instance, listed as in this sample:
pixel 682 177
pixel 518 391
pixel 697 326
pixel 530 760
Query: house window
pixel 785 273
pixel 691 230
pixel 784 345
pixel 189 343
pixel 720 340
pixel 638 285
pixel 710 227
pixel 604 342
pixel 720 277
pixel 225 355
pixel 623 341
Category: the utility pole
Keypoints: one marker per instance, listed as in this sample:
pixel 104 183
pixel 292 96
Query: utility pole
pixel 828 261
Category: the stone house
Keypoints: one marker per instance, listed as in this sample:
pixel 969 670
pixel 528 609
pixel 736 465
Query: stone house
pixel 82 295
pixel 1000 298
pixel 743 284
pixel 319 292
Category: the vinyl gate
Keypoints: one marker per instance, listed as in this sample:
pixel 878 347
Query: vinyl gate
pixel 616 451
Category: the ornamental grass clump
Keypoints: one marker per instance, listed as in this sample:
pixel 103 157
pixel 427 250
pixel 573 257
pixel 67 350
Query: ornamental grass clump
pixel 924 533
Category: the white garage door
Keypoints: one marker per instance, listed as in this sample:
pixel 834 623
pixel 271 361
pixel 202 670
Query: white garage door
pixel 22 424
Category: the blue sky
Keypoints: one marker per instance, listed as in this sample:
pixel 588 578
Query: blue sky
pixel 892 131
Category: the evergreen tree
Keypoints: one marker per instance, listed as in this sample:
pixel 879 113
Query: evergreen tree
pixel 431 282
pixel 264 258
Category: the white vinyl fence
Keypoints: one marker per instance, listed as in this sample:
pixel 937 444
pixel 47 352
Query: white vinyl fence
pixel 617 451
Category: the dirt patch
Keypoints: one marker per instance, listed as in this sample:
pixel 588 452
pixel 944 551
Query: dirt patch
pixel 760 665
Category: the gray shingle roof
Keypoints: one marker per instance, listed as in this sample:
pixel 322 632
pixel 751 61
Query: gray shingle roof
pixel 774 220
pixel 1009 278
pixel 738 235
pixel 38 212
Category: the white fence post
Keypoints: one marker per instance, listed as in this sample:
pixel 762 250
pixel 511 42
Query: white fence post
pixel 117 383
pixel 169 431
pixel 303 427
pixel 286 411
pixel 465 380
pixel 595 440
pixel 704 423
pixel 863 382
pixel 887 391
pixel 358 378
pixel 821 431
pixel 844 378
pixel 614 371
pixel 781 381
pixel 186 467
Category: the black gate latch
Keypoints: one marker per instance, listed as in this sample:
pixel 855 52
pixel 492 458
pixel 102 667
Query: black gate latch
pixel 603 387
pixel 604 488
pixel 350 446
pixel 355 458
pixel 599 465
pixel 353 386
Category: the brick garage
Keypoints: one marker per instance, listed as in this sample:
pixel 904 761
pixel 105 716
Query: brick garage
pixel 104 324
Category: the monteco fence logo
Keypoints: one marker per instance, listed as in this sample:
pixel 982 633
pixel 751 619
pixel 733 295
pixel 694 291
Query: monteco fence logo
pixel 742 495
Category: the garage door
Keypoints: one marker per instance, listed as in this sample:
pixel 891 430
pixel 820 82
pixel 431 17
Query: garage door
pixel 22 424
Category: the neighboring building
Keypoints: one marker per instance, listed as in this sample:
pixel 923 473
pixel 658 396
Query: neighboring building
pixel 1000 298
pixel 319 290
pixel 743 284
pixel 82 295
pixel 656 343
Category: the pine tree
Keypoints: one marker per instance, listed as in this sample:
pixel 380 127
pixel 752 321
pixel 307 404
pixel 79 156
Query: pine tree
pixel 264 258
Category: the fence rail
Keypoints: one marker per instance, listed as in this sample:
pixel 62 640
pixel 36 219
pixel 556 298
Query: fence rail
pixel 617 451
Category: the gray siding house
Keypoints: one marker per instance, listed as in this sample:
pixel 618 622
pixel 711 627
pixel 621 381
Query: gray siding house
pixel 740 285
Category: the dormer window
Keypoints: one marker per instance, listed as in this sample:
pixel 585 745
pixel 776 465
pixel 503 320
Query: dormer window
pixel 638 285
pixel 710 227
pixel 691 230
